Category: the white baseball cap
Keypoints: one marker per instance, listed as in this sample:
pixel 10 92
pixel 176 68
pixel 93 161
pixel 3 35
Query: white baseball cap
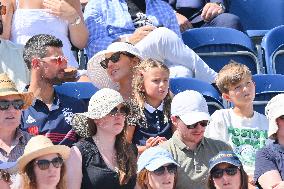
pixel 273 110
pixel 190 106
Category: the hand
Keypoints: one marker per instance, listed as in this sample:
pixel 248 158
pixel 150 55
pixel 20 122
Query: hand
pixel 61 9
pixel 210 10
pixel 152 141
pixel 183 22
pixel 70 75
pixel 279 185
pixel 140 33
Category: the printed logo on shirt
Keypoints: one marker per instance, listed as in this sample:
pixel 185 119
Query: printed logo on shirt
pixel 245 143
pixel 33 130
pixel 68 114
pixel 30 120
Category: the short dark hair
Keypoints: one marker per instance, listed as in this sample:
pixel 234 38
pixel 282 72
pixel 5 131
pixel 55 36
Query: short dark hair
pixel 36 47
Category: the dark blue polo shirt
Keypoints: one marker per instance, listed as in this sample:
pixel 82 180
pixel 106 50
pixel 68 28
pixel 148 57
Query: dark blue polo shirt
pixel 156 125
pixel 53 123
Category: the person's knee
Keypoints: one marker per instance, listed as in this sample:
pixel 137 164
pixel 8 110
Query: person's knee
pixel 228 20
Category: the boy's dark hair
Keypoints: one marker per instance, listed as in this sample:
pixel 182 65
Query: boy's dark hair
pixel 231 74
pixel 36 47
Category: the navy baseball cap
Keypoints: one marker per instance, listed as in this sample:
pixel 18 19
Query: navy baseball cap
pixel 224 157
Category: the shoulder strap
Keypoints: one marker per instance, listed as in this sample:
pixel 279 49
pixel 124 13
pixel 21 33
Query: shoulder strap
pixel 88 149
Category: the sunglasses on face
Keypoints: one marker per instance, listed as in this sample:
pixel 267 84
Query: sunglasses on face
pixel 17 104
pixel 203 123
pixel 172 169
pixel 281 117
pixel 124 110
pixel 58 59
pixel 5 176
pixel 114 58
pixel 44 164
pixel 2 9
pixel 218 173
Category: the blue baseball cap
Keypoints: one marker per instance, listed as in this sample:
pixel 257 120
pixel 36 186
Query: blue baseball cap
pixel 224 157
pixel 153 158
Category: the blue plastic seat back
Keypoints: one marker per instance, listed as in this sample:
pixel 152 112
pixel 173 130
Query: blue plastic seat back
pixel 258 14
pixel 267 86
pixel 211 95
pixel 217 46
pixel 79 90
pixel 273 45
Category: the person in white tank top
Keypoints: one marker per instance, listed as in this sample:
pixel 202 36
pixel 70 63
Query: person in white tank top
pixel 61 18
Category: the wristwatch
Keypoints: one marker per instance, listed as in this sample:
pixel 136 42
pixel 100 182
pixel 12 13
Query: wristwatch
pixel 221 5
pixel 77 21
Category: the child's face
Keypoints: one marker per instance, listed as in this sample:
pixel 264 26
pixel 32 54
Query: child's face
pixel 241 93
pixel 156 85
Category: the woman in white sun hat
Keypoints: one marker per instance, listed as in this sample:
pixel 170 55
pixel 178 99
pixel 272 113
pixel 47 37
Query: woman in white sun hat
pixel 113 67
pixel 42 165
pixel 269 165
pixel 104 159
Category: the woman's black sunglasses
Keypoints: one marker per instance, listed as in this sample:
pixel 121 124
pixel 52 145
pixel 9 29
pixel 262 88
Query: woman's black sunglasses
pixel 218 173
pixel 17 104
pixel 124 110
pixel 44 164
pixel 172 169
pixel 114 58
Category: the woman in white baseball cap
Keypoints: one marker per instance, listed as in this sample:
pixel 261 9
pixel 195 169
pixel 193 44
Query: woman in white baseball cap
pixel 269 169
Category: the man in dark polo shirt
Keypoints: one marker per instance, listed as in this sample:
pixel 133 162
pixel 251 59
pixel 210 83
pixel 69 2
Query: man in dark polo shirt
pixel 190 149
pixel 51 113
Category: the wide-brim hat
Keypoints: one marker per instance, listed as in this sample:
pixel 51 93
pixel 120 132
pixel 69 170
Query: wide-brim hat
pixel 100 104
pixel 97 74
pixel 224 157
pixel 39 146
pixel 273 110
pixel 10 167
pixel 8 87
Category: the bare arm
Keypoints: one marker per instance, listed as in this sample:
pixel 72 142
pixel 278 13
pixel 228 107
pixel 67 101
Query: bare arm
pixel 74 169
pixel 269 179
pixel 7 18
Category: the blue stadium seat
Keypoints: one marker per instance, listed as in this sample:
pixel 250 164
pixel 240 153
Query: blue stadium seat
pixel 217 46
pixel 273 45
pixel 211 95
pixel 267 86
pixel 79 90
pixel 258 16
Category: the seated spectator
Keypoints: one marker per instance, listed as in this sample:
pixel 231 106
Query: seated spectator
pixel 42 164
pixel 11 58
pixel 104 159
pixel 204 13
pixel 6 169
pixel 269 169
pixel 190 149
pixel 156 169
pixel 12 102
pixel 61 18
pixel 51 113
pixel 111 21
pixel 150 122
pixel 226 171
pixel 242 127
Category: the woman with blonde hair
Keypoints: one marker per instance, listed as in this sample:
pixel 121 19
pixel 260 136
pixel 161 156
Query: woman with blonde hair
pixel 42 165
pixel 103 159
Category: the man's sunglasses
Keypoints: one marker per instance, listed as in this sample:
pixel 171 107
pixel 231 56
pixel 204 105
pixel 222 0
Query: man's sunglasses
pixel 218 173
pixel 5 176
pixel 17 104
pixel 58 59
pixel 124 110
pixel 44 164
pixel 172 169
pixel 114 58
pixel 3 9
pixel 203 123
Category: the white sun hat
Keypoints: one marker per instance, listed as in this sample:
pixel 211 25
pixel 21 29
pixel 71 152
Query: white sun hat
pixel 97 74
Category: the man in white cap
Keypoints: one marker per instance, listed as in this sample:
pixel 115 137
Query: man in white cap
pixel 190 149
pixel 11 57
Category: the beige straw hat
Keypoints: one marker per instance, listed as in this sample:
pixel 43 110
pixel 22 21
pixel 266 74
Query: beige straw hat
pixel 8 87
pixel 98 74
pixel 39 146
pixel 100 104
